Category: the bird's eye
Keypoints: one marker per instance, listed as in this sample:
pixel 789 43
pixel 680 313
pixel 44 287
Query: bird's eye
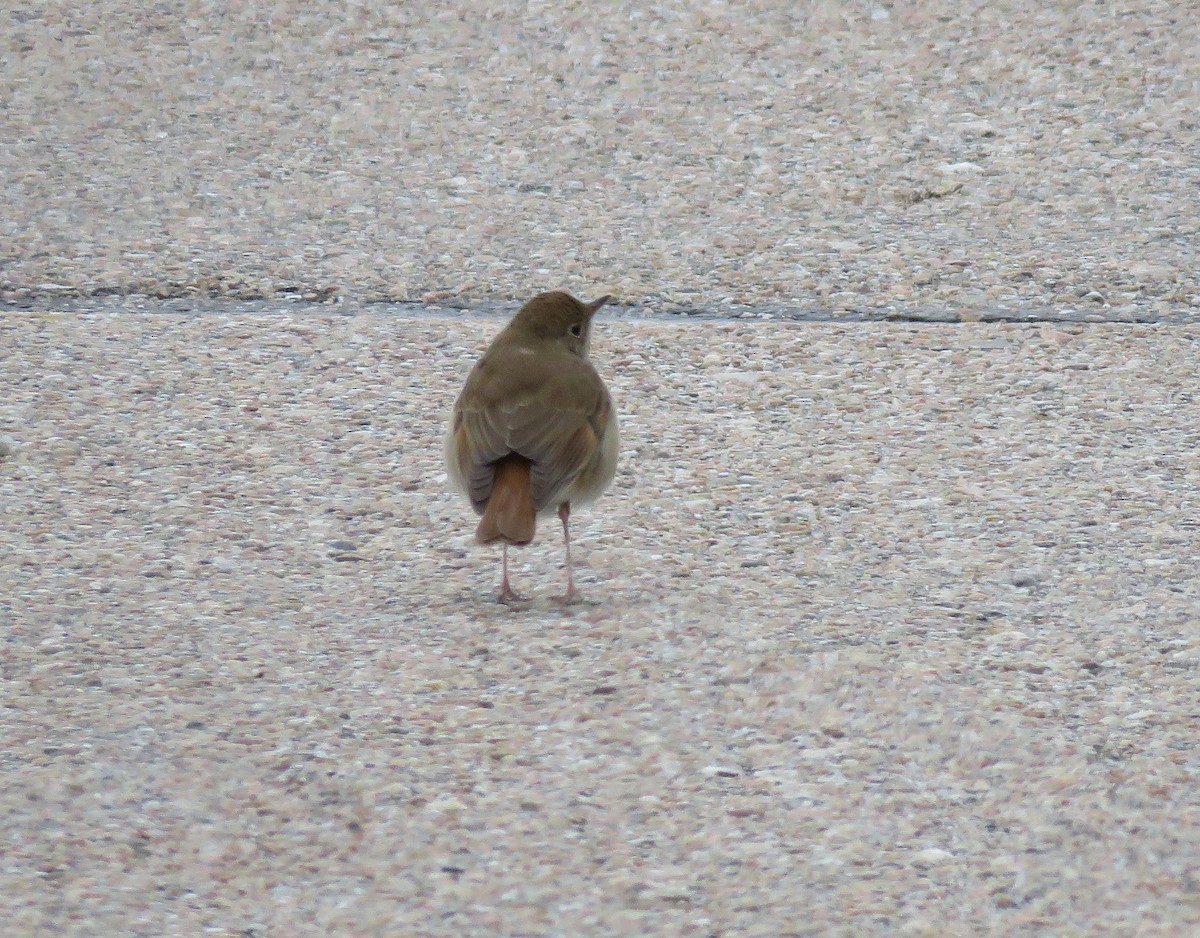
pixel 577 329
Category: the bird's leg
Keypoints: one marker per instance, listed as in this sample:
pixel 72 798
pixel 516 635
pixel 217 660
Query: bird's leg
pixel 564 513
pixel 507 593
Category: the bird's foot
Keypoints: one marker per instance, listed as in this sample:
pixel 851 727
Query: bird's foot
pixel 574 598
pixel 510 597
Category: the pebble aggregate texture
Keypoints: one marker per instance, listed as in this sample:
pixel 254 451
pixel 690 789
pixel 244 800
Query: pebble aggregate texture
pixel 892 629
pixel 999 156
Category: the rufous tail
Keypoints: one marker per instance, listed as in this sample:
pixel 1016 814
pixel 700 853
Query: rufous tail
pixel 509 515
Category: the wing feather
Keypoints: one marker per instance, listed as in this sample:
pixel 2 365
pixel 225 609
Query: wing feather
pixel 555 422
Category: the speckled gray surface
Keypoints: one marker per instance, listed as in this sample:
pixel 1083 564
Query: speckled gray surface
pixel 843 155
pixel 893 630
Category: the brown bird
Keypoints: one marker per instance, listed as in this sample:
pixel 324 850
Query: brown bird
pixel 534 429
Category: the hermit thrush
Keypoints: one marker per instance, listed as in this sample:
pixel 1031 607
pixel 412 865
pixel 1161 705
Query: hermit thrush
pixel 534 429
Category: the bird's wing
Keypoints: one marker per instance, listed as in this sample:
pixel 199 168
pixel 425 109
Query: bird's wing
pixel 556 424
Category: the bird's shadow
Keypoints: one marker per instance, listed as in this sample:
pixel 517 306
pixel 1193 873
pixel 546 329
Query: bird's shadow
pixel 599 601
